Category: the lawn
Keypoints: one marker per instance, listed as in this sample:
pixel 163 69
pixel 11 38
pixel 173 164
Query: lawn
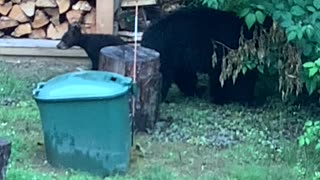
pixel 197 140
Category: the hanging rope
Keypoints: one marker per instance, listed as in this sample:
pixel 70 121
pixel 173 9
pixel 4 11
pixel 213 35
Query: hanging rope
pixel 134 69
pixel 135 42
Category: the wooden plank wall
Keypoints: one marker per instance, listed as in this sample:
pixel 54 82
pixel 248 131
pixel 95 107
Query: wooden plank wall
pixel 104 16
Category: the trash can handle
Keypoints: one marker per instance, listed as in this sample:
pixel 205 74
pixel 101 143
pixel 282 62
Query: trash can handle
pixel 40 85
pixel 113 78
pixel 36 91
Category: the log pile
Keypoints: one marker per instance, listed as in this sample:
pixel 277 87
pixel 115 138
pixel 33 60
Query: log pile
pixel 49 19
pixel 44 19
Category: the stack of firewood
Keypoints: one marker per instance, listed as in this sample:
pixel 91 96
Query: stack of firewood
pixel 44 19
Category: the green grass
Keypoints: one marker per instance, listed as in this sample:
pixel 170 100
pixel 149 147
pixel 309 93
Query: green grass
pixel 20 123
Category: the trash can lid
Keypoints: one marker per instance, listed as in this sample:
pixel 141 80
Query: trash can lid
pixel 83 85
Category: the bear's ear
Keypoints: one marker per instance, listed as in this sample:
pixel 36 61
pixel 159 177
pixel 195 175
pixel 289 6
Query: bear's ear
pixel 74 26
pixel 69 27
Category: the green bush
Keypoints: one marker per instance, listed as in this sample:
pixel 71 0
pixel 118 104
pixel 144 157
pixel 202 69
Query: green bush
pixel 311 135
pixel 299 19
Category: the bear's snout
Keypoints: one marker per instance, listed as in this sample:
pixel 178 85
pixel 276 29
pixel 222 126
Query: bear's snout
pixel 62 45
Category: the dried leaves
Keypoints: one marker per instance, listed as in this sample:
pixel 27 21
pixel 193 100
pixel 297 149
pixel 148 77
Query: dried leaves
pixel 255 53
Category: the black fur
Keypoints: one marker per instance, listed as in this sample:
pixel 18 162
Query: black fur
pixel 184 40
pixel 91 43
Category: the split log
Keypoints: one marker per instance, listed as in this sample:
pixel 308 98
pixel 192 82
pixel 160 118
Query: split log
pixel 51 11
pixel 74 16
pixel 6 22
pixel 46 3
pixel 56 32
pixel 89 28
pixel 28 7
pixel 40 19
pixel 54 15
pixel 63 5
pixel 89 21
pixel 119 59
pixel 38 34
pixel 21 30
pixel 55 20
pixel 5 8
pixel 16 13
pixel 16 1
pixel 5 153
pixel 82 6
pixel 90 18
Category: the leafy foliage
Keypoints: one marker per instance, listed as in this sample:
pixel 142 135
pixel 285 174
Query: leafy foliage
pixel 312 71
pixel 299 20
pixel 311 135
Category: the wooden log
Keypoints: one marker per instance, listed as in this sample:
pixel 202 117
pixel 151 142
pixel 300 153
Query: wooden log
pixel 119 59
pixel 51 11
pixel 21 30
pixel 5 8
pixel 55 20
pixel 6 22
pixel 90 18
pixel 28 7
pixel 16 1
pixel 63 5
pixel 74 16
pixel 46 3
pixel 54 15
pixel 89 28
pixel 82 6
pixel 38 34
pixel 89 22
pixel 40 19
pixel 5 153
pixel 16 13
pixel 56 32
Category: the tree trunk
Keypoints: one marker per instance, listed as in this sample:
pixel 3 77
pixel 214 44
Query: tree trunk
pixel 119 59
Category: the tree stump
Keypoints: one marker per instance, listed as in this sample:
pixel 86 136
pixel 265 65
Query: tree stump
pixel 5 152
pixel 119 59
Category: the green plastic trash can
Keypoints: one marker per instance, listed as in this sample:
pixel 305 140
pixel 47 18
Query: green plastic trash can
pixel 85 121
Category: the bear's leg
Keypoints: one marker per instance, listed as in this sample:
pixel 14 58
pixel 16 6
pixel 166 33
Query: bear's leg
pixel 186 81
pixel 167 79
pixel 95 63
pixel 245 87
pixel 242 91
pixel 218 94
pixel 94 58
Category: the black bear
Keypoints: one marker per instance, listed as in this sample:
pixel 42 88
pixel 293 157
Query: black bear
pixel 91 43
pixel 185 42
